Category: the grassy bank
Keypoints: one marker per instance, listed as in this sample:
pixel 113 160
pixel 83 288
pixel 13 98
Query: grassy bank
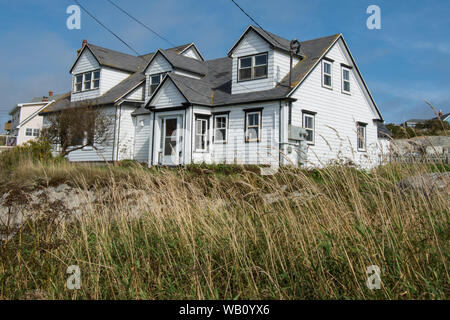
pixel 213 233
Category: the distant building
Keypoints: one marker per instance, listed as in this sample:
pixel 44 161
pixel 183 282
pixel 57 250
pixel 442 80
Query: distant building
pixel 26 123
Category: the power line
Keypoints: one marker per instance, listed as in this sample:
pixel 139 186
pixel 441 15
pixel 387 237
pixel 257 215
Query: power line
pixel 141 23
pixel 105 27
pixel 254 21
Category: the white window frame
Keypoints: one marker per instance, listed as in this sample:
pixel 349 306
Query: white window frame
pixel 30 131
pixel 327 74
pixel 313 129
pixel 252 67
pixel 344 80
pixel 36 132
pixel 221 128
pixel 362 135
pixel 161 77
pixel 248 126
pixel 201 134
pixel 92 81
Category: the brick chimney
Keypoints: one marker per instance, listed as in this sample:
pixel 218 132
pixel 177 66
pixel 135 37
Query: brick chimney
pixel 440 114
pixel 50 93
pixel 82 46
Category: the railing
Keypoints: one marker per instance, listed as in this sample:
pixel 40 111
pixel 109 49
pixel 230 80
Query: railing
pixel 7 141
pixel 443 158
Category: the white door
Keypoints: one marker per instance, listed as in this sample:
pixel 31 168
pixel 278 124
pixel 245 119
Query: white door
pixel 170 146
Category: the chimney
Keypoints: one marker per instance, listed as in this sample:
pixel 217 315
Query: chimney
pixel 440 113
pixel 50 93
pixel 82 46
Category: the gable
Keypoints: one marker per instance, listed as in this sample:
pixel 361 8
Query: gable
pixel 192 52
pixel 250 43
pixel 167 95
pixel 136 94
pixel 158 64
pixel 86 61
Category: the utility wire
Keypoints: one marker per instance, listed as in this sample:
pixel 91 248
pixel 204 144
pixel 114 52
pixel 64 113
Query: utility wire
pixel 141 23
pixel 105 27
pixel 254 21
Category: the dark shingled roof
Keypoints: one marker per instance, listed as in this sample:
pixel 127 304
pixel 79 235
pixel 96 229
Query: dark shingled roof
pixel 185 63
pixel 383 131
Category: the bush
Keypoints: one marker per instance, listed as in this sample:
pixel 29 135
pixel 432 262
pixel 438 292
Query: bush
pixel 33 150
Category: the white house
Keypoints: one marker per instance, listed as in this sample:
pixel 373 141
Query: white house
pixel 26 123
pixel 172 107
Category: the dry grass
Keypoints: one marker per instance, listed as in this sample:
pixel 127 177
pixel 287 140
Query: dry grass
pixel 198 234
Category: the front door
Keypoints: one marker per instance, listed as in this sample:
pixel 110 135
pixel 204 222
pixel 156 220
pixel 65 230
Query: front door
pixel 170 148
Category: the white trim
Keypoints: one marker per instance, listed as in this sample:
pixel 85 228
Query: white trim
pixel 196 49
pixel 327 74
pixel 215 128
pixel 313 129
pixel 343 69
pixel 247 126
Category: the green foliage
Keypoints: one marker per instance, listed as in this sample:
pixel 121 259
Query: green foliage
pixel 33 150
pixel 429 128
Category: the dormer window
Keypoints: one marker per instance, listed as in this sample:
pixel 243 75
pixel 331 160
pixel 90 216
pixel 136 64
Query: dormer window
pixel 252 67
pixel 87 81
pixel 155 80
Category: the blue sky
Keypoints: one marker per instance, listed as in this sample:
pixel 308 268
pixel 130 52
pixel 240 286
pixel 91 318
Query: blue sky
pixel 404 63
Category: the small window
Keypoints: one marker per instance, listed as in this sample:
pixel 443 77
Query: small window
pixel 345 80
pixel 87 81
pixel 327 78
pixel 78 82
pixel 96 82
pixel 155 80
pixel 29 132
pixel 220 128
pixel 201 134
pixel 253 126
pixel 309 125
pixel 361 136
pixel 253 67
pixel 36 132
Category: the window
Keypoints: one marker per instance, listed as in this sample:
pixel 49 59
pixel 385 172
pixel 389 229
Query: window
pixel 155 80
pixel 327 78
pixel 201 134
pixel 29 132
pixel 345 80
pixel 361 138
pixel 253 67
pixel 87 81
pixel 220 128
pixel 253 126
pixel 36 132
pixel 309 125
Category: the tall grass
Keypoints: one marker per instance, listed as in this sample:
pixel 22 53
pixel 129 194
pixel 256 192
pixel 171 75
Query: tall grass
pixel 195 233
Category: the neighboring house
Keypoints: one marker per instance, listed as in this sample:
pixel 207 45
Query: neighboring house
pixel 26 123
pixel 412 123
pixel 171 107
pixel 443 117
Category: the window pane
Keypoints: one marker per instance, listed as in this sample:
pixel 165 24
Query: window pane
pixel 220 135
pixel 221 122
pixel 245 62
pixel 87 85
pixel 327 68
pixel 245 74
pixel 79 78
pixel 261 60
pixel 253 119
pixel 346 75
pixel 153 88
pixel 28 132
pixel 96 83
pixel 155 79
pixel 253 133
pixel 327 80
pixel 309 136
pixel 260 72
pixel 87 76
pixel 78 87
pixel 309 122
pixel 347 86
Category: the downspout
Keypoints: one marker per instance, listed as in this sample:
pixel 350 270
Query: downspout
pixel 118 134
pixel 153 138
pixel 114 142
pixel 279 136
pixel 184 139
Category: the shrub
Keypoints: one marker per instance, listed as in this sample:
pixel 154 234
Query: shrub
pixel 33 150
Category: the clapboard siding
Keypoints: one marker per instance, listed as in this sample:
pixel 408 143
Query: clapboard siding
pixel 126 133
pixel 136 94
pixel 168 96
pixel 337 115
pixel 158 65
pixel 187 74
pixel 109 78
pixel 282 62
pixel 236 150
pixel 251 44
pixel 105 151
pixel 142 138
pixel 86 62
